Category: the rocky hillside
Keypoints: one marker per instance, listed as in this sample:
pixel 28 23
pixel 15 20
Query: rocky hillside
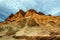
pixel 30 25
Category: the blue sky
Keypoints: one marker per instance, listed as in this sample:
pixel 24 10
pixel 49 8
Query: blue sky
pixel 12 6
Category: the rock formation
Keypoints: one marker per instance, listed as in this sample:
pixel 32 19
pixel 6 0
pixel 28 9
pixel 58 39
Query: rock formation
pixel 31 25
pixel 41 13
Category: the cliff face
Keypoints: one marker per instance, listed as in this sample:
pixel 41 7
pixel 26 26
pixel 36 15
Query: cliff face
pixel 39 17
pixel 33 14
pixel 30 24
pixel 46 21
pixel 30 13
pixel 21 14
pixel 16 17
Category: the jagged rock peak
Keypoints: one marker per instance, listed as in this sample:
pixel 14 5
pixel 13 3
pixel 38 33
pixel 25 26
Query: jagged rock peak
pixel 21 12
pixel 49 15
pixel 32 10
pixel 11 15
pixel 41 13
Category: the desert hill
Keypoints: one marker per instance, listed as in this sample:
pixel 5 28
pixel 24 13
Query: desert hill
pixel 39 17
pixel 30 24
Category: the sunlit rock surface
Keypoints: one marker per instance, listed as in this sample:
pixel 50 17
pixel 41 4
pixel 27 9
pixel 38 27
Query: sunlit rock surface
pixel 30 26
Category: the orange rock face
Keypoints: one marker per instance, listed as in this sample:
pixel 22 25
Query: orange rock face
pixel 41 19
pixel 38 16
pixel 30 12
pixel 16 17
